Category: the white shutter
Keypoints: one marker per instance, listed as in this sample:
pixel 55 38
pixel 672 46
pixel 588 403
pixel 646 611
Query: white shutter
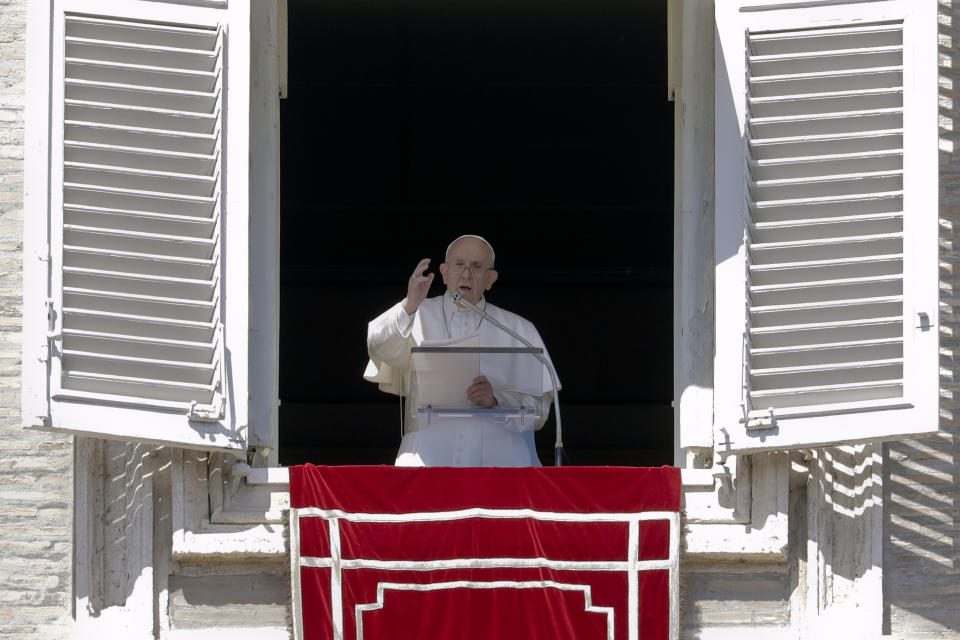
pixel 148 129
pixel 826 223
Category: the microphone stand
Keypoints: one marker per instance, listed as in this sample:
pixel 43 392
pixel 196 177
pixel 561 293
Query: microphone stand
pixel 558 445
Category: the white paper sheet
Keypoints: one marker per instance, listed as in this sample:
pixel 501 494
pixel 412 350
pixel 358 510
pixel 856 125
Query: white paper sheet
pixel 442 379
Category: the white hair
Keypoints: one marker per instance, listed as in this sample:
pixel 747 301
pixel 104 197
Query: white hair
pixel 493 255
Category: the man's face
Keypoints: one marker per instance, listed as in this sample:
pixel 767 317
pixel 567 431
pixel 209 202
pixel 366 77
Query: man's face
pixel 468 269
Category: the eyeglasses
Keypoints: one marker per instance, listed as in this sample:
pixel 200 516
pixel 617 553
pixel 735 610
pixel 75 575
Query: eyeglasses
pixel 475 268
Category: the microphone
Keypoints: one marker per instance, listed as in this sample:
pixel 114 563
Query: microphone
pixel 558 445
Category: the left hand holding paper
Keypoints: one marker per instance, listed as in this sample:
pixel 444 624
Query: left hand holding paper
pixel 481 393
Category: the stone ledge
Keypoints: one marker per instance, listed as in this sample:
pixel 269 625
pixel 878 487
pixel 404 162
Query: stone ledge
pixel 214 543
pixel 229 633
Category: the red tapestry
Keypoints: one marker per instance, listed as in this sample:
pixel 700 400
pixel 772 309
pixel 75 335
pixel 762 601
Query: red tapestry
pixel 553 553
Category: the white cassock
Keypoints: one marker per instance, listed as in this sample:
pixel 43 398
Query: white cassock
pixel 459 442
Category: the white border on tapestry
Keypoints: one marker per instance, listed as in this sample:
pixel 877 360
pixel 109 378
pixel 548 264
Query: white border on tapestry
pixel 296 561
pixel 493 584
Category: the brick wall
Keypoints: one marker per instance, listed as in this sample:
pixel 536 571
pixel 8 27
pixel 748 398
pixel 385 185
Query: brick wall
pixel 36 469
pixel 922 518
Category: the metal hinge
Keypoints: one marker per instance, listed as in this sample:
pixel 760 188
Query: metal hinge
pixel 53 332
pixel 214 411
pixel 762 420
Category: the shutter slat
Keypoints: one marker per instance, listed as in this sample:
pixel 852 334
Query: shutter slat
pixel 143 54
pixel 163 369
pixel 844 163
pixel 822 270
pixel 173 154
pixel 838 262
pixel 174 344
pixel 779 315
pixel 838 199
pixel 813 284
pixel 144 46
pixel 827 80
pixel 816 242
pixel 840 366
pixel 830 394
pixel 106 173
pixel 121 136
pixel 153 348
pixel 821 180
pixel 173 323
pixel 858 97
pixel 142 326
pixel 138 158
pixel 200 311
pixel 816 56
pixel 827 291
pixel 106 260
pixel 147 222
pixel 207 284
pixel 851 74
pixel 106 198
pixel 184 198
pixel 87 111
pixel 119 93
pixel 827 353
pixel 825 332
pixel 180 393
pixel 139 75
pixel 134 31
pixel 839 324
pixel 776 141
pixel 834 108
pixel 108 88
pixel 143 110
pixel 800 40
pixel 127 282
pixel 204 243
pixel 865 218
pixel 820 375
pixel 112 128
pixel 889 203
pixel 821 186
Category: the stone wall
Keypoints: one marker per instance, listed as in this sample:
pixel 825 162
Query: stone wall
pixel 922 515
pixel 36 469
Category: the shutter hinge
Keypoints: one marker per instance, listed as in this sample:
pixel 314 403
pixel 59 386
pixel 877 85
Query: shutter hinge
pixel 53 333
pixel 214 411
pixel 762 420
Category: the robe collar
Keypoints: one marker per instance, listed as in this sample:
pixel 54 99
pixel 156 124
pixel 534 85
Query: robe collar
pixel 450 307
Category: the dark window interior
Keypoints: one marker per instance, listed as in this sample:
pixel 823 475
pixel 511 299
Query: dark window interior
pixel 542 125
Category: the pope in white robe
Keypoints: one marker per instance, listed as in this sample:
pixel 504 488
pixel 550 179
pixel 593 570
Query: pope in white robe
pixel 505 382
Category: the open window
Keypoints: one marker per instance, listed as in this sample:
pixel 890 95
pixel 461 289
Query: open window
pixel 544 127
pixel 826 228
pixel 135 235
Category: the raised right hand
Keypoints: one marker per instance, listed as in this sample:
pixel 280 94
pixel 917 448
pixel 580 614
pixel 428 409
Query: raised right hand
pixel 417 287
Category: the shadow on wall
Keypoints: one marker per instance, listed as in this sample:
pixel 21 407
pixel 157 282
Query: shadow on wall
pixel 922 519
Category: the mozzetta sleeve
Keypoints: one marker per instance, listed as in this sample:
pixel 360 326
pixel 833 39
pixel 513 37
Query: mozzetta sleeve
pixel 388 345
